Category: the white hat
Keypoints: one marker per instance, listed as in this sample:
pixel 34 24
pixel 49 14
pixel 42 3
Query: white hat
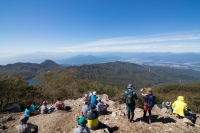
pixel 94 93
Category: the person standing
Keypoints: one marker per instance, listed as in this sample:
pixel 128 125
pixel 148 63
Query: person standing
pixel 149 102
pixel 130 96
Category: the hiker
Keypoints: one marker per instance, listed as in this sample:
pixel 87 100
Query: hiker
pixel 34 110
pixel 92 117
pixel 90 94
pixel 167 105
pixel 81 128
pixel 101 108
pixel 93 98
pixel 27 111
pixel 149 102
pixel 85 108
pixel 86 97
pixel 61 106
pixel 130 97
pixel 179 107
pixel 44 109
pixel 25 127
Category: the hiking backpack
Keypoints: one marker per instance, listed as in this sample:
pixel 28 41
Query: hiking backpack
pixel 151 101
pixel 191 116
pixel 130 100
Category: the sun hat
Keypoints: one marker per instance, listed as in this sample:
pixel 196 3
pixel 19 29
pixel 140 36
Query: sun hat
pixel 149 91
pixel 130 86
pixel 94 93
pixel 82 121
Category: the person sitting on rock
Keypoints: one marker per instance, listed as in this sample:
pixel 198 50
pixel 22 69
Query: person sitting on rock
pixel 92 117
pixel 81 128
pixel 59 104
pixel 44 109
pixel 85 108
pixel 179 107
pixel 25 127
pixel 167 105
pixel 93 98
pixel 34 110
pixel 101 108
pixel 27 111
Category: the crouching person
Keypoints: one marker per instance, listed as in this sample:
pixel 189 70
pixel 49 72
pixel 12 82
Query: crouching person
pixel 92 117
pixel 101 108
pixel 179 107
pixel 81 128
pixel 25 127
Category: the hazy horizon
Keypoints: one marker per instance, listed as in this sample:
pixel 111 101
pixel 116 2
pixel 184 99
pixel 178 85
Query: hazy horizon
pixel 58 27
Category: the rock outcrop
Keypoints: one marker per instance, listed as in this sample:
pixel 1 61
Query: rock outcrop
pixel 114 121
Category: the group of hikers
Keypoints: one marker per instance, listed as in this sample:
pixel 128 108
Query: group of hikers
pixel 27 127
pixel 178 107
pixel 94 107
pixel 130 97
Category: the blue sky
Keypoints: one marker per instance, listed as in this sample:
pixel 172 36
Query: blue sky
pixel 28 26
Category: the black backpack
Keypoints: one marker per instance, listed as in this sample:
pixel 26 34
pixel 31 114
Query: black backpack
pixel 191 116
pixel 130 100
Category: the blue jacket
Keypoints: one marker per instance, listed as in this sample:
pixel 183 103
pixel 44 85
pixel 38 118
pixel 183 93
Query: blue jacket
pixel 94 99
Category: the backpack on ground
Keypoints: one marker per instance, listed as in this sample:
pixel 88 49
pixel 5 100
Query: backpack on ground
pixel 151 101
pixel 191 116
pixel 130 100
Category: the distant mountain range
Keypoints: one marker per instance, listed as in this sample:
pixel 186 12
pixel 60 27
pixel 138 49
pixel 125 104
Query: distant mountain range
pixel 68 59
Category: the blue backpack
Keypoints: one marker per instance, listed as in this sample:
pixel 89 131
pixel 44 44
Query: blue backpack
pixel 151 101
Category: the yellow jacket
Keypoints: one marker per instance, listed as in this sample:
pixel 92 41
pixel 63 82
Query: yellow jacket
pixel 179 106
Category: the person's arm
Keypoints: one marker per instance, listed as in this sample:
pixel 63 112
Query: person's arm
pixel 135 95
pixel 173 105
pixel 125 93
pixel 186 108
pixel 143 95
pixel 63 104
pixel 98 106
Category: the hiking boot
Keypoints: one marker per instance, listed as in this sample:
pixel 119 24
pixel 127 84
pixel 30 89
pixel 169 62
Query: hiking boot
pixel 128 120
pixel 142 120
pixel 149 120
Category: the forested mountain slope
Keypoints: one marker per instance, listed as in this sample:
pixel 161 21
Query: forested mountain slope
pixel 121 73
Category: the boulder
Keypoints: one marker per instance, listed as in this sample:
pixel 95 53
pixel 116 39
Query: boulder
pixel 188 122
pixel 14 106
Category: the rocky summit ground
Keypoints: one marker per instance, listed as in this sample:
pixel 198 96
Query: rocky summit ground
pixel 115 121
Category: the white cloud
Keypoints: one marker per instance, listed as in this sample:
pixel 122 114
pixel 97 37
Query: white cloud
pixel 162 43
